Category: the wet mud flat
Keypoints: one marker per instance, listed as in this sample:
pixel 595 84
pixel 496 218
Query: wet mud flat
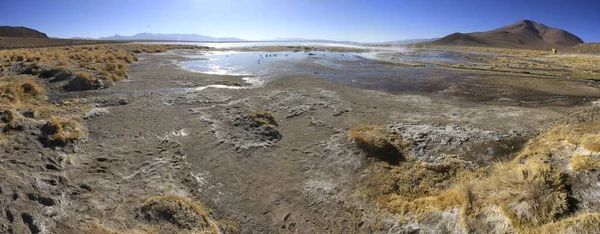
pixel 368 70
pixel 304 178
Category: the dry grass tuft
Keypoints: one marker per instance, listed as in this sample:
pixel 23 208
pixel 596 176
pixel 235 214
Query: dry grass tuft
pixel 20 91
pixel 111 61
pixel 530 194
pixel 263 117
pixel 178 211
pixel 582 223
pixel 378 142
pixel 583 162
pixel 60 131
pixel 447 199
pixel 555 139
pixel 83 81
pixel 417 188
pixel 591 142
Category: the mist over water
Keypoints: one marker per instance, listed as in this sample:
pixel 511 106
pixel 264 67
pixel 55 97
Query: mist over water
pixel 239 45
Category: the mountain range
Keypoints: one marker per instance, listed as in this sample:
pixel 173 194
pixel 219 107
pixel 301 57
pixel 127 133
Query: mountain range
pixel 411 41
pixel 169 37
pixel 525 34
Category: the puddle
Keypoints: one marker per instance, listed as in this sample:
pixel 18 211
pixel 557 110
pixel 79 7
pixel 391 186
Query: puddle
pixel 376 70
pixel 263 63
pixel 352 69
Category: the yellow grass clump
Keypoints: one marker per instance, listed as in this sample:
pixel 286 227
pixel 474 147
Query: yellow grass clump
pixel 447 199
pixel 20 91
pixel 583 162
pixel 530 194
pixel 556 138
pixel 60 131
pixel 415 188
pixel 110 60
pixel 591 142
pixel 378 142
pixel 83 81
pixel 263 117
pixel 178 211
pixel 582 223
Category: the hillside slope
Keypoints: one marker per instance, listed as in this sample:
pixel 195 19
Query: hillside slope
pixel 524 34
pixel 22 32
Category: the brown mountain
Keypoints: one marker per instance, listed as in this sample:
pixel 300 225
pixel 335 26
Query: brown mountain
pixel 22 32
pixel 524 34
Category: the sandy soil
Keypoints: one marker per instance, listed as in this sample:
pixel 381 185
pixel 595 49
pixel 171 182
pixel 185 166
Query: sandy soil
pixel 154 134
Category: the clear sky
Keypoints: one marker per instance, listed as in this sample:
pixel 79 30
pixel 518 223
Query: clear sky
pixel 355 20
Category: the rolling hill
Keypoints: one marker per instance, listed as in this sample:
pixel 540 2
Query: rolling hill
pixel 20 32
pixel 524 34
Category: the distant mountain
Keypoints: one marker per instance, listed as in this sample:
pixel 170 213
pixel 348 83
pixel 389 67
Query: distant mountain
pixel 23 32
pixel 300 39
pixel 169 37
pixel 411 41
pixel 288 39
pixel 82 38
pixel 524 34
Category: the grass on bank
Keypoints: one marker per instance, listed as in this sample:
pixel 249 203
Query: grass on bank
pixel 530 192
pixel 84 67
pixel 19 91
pixel 108 62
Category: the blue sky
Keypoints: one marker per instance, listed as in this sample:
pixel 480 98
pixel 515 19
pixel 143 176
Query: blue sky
pixel 355 20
